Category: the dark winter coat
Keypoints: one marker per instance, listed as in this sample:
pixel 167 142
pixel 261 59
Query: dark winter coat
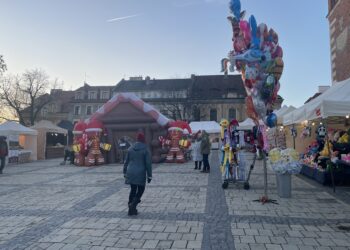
pixel 3 148
pixel 205 144
pixel 137 164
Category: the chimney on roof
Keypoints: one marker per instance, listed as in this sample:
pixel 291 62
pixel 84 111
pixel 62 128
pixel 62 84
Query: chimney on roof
pixel 55 91
pixel 193 76
pixel 148 80
pixel 322 89
pixel 135 78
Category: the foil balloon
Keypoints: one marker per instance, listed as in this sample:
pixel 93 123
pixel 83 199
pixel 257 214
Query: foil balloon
pixel 258 56
pixel 271 120
pixel 251 113
pixel 260 107
pixel 245 29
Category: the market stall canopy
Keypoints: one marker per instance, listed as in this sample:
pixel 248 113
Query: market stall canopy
pixel 282 112
pixel 14 128
pixel 136 102
pixel 333 102
pixel 49 127
pixel 247 124
pixel 210 127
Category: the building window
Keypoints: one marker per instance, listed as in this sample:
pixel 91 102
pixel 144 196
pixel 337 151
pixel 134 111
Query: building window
pixel 213 114
pixel 77 110
pixel 44 112
pixel 79 95
pixel 88 110
pixel 92 95
pixel 232 114
pixel 196 114
pixel 104 95
pixel 52 108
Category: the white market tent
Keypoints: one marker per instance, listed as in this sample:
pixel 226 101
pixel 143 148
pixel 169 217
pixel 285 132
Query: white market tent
pixel 43 127
pixel 211 127
pixel 247 124
pixel 27 137
pixel 333 102
pixel 282 112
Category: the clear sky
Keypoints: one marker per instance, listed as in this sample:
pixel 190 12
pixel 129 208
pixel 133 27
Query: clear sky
pixel 111 39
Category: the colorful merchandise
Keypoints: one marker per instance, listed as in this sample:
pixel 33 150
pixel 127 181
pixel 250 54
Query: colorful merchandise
pixel 284 161
pixel 257 55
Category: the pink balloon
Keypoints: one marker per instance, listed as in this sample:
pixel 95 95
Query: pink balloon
pixel 245 29
pixel 239 44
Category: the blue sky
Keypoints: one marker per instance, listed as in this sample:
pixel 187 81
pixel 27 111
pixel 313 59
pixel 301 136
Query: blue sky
pixel 160 38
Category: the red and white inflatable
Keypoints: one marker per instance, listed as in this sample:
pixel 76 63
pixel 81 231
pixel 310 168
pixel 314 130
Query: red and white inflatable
pixel 94 131
pixel 79 143
pixel 176 131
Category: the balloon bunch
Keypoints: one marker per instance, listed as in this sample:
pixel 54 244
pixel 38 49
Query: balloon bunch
pixel 258 56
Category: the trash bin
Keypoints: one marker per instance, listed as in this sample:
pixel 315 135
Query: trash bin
pixel 284 185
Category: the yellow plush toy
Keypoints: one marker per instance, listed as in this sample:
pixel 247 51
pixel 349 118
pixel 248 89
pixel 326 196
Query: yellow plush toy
pixel 344 138
pixel 325 151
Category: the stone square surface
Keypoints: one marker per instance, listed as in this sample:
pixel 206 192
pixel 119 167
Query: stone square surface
pixel 44 205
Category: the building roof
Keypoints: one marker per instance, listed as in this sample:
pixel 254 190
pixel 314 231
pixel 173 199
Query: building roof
pixel 87 87
pixel 313 97
pixel 204 86
pixel 152 84
pixel 217 86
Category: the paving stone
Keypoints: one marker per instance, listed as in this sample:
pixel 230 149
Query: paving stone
pixel 179 244
pixel 150 244
pixel 164 244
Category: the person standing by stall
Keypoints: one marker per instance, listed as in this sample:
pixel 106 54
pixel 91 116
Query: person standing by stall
pixel 137 166
pixel 3 152
pixel 205 150
pixel 197 156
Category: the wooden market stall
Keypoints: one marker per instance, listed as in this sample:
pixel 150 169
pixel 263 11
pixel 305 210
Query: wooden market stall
pixel 51 140
pixel 320 130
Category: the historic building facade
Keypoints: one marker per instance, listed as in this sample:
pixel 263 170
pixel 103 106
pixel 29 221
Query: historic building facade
pixel 87 100
pixel 197 98
pixel 205 97
pixel 339 29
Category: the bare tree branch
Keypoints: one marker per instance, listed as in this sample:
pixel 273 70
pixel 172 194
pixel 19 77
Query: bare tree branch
pixel 3 67
pixel 26 94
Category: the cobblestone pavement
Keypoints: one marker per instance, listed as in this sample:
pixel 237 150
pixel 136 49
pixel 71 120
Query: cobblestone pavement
pixel 47 206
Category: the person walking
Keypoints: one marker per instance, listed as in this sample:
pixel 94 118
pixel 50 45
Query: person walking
pixel 205 151
pixel 197 156
pixel 3 152
pixel 137 166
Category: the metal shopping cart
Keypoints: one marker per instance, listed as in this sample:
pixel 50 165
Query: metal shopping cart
pixel 235 172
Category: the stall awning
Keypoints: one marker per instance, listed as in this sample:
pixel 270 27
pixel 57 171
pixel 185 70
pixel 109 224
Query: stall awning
pixel 210 127
pixel 333 102
pixel 14 128
pixel 49 127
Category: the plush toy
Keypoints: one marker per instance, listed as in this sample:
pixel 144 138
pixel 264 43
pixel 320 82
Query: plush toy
pixel 306 132
pixel 175 132
pixel 321 132
pixel 344 138
pixel 226 147
pixel 325 152
pixel 79 143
